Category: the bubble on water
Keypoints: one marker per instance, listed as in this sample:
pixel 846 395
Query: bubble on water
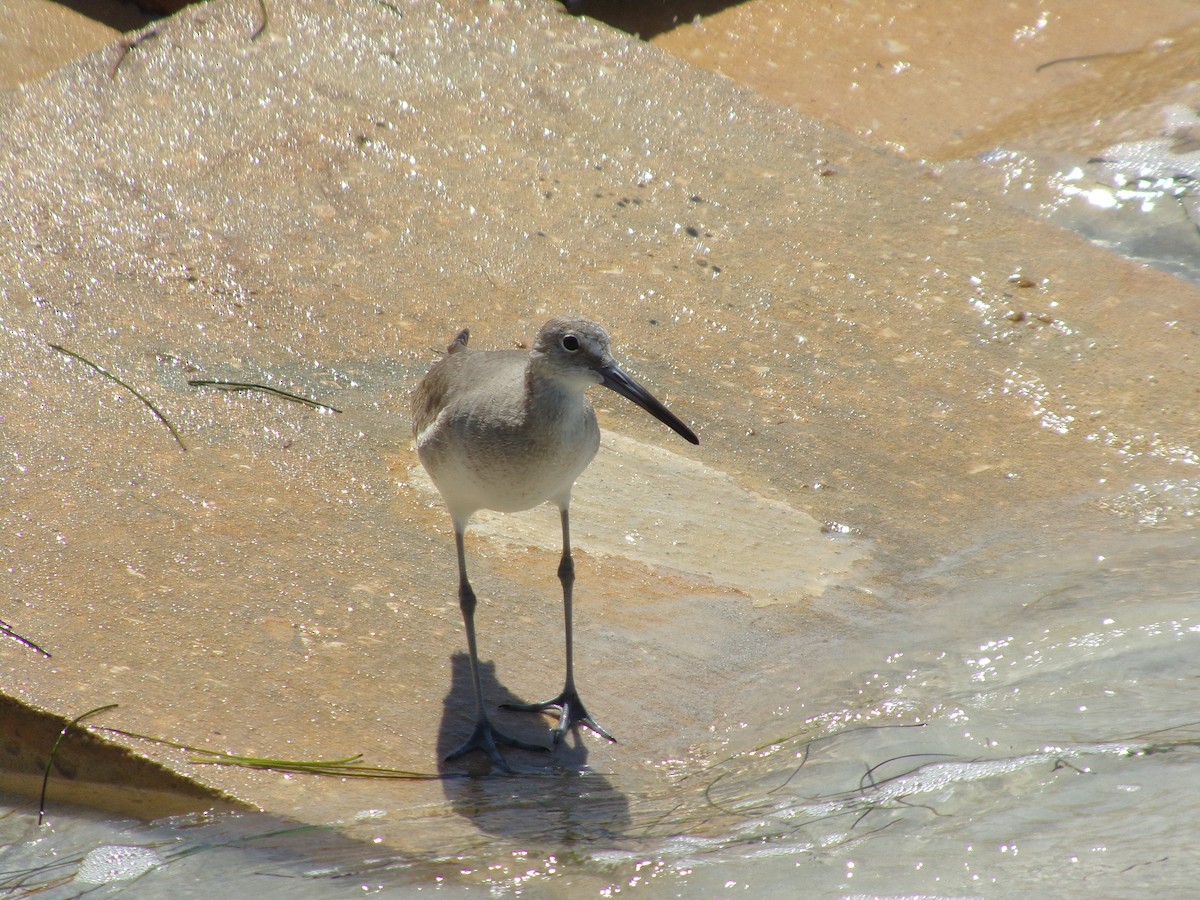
pixel 116 863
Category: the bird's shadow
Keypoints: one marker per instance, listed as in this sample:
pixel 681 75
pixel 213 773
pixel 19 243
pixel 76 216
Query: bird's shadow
pixel 548 796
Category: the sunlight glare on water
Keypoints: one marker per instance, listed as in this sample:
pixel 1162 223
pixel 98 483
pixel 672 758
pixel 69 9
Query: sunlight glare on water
pixel 1038 713
pixel 1137 198
pixel 1007 741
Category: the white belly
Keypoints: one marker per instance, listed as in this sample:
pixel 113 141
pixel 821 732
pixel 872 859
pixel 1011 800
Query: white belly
pixel 507 470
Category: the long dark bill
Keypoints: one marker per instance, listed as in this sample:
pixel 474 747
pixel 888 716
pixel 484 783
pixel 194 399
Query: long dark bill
pixel 615 380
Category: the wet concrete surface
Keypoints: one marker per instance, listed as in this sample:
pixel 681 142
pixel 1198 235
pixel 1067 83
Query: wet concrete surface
pixel 936 84
pixel 38 37
pixel 858 339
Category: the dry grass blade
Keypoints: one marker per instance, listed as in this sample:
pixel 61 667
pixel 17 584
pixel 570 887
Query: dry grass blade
pixel 266 389
pixel 50 760
pixel 109 375
pixel 346 767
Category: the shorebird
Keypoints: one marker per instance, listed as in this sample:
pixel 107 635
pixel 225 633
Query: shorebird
pixel 508 430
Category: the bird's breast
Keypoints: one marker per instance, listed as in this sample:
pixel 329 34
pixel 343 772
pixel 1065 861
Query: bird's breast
pixel 509 463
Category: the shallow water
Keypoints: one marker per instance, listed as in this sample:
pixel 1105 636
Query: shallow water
pixel 1138 199
pixel 1031 725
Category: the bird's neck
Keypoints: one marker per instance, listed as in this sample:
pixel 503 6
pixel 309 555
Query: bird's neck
pixel 547 396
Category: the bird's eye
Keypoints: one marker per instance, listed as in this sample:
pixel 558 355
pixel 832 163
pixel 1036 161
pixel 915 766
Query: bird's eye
pixel 570 342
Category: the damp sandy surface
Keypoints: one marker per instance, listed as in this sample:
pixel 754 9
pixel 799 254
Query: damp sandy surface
pixel 973 397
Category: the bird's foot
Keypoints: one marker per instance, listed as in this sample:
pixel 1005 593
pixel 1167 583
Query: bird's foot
pixel 487 738
pixel 572 714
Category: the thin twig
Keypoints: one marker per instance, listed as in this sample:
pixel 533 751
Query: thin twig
pixel 266 389
pixel 868 782
pixel 262 26
pixel 128 43
pixel 7 631
pixel 107 374
pixel 1086 58
pixel 796 770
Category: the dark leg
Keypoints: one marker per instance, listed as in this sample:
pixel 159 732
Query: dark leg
pixel 573 712
pixel 485 737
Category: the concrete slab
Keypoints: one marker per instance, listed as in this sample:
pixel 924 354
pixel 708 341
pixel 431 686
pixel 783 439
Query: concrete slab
pixel 322 207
